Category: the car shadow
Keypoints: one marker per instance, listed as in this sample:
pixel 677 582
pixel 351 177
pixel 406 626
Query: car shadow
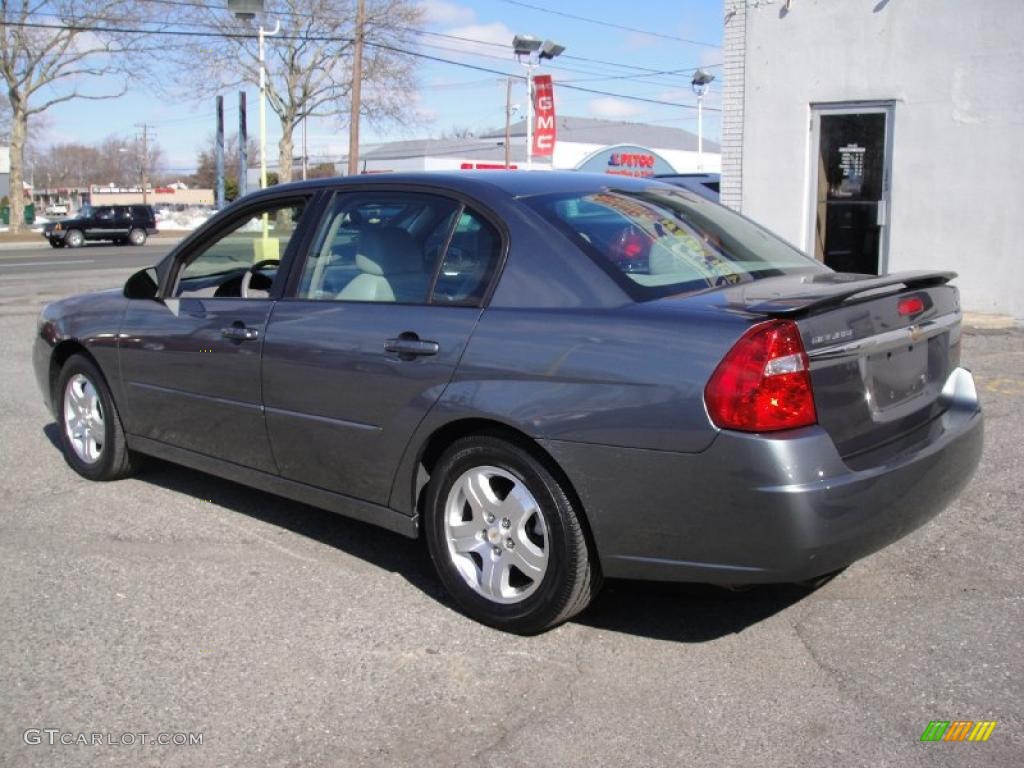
pixel 684 613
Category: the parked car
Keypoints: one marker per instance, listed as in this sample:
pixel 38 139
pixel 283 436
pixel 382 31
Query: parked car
pixel 704 184
pixel 56 209
pixel 462 357
pixel 119 223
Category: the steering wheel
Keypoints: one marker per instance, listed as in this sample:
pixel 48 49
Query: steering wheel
pixel 243 289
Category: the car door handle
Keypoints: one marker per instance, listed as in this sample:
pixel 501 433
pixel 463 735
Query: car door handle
pixel 408 347
pixel 240 333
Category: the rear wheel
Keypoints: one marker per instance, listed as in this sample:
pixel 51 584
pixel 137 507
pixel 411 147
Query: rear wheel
pixel 506 538
pixel 74 238
pixel 90 428
pixel 137 237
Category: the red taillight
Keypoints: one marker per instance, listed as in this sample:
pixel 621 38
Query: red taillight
pixel 910 306
pixel 633 245
pixel 763 384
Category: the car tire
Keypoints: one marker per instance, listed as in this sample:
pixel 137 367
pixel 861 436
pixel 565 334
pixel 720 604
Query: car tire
pixel 507 537
pixel 91 435
pixel 137 237
pixel 74 238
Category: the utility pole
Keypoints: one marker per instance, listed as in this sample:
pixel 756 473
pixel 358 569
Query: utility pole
pixel 243 147
pixel 355 91
pixel 219 156
pixel 144 160
pixel 304 150
pixel 508 123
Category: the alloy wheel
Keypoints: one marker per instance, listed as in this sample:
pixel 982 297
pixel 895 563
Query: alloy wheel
pixel 496 534
pixel 83 419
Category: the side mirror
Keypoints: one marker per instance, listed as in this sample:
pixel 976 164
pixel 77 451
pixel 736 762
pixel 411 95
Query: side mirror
pixel 142 285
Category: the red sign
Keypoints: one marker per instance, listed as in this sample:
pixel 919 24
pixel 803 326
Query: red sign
pixel 543 116
pixel 486 167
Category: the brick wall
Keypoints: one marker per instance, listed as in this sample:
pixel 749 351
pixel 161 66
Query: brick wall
pixel 734 45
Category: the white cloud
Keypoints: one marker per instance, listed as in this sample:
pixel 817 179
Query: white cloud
pixel 445 12
pixel 612 108
pixel 496 33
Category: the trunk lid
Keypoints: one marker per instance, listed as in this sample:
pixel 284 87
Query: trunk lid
pixel 880 348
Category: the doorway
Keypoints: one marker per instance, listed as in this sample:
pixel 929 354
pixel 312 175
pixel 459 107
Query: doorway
pixel 850 180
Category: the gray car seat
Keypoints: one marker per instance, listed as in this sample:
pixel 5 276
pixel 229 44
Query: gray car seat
pixel 390 268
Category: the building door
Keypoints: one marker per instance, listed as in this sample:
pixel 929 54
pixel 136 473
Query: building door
pixel 850 187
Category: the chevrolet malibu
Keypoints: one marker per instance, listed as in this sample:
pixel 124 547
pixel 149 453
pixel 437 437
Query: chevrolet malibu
pixel 474 359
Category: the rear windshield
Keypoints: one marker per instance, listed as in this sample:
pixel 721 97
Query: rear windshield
pixel 659 242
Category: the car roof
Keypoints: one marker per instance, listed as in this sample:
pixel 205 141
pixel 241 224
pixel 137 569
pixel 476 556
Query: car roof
pixel 514 183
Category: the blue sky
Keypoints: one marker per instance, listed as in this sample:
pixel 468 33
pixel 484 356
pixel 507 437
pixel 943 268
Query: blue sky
pixel 451 96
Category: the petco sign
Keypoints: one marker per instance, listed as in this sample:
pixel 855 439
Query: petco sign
pixel 626 160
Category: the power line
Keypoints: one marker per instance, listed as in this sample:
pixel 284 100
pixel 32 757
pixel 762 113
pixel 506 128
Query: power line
pixel 332 38
pixel 611 24
pixel 460 38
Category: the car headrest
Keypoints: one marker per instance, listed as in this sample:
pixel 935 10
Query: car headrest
pixel 387 251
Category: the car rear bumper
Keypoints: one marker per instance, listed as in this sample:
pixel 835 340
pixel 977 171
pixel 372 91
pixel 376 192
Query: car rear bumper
pixel 754 509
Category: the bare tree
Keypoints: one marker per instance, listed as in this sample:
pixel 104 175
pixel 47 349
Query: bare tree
pixel 5 118
pixel 309 63
pixel 45 66
pixel 116 160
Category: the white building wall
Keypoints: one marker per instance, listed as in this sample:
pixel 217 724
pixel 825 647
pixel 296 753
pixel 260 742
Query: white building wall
pixel 955 71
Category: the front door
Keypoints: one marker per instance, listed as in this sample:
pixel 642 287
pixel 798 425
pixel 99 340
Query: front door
pixel 371 334
pixel 850 187
pixel 190 363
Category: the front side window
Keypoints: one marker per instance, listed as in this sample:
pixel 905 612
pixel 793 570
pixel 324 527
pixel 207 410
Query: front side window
pixel 243 261
pixel 661 241
pixel 396 247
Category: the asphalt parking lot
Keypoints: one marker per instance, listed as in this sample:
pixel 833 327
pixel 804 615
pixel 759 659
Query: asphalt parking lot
pixel 179 603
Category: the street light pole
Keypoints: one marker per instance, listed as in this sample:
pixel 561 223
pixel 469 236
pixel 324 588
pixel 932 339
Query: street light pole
pixel 701 81
pixel 529 51
pixel 263 105
pixel 529 114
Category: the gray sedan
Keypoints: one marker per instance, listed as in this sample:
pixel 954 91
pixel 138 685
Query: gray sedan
pixel 550 377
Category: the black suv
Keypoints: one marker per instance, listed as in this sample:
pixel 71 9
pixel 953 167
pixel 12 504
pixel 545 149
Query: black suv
pixel 120 223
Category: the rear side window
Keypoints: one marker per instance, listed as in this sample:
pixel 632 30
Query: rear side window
pixel 400 247
pixel 469 262
pixel 661 241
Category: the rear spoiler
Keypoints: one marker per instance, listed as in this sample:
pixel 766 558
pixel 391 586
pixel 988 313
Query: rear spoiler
pixel 832 288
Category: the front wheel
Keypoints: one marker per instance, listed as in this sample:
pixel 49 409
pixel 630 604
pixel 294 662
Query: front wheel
pixel 506 538
pixel 90 428
pixel 137 237
pixel 74 238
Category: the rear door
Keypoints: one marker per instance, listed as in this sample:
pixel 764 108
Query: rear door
pixel 190 363
pixel 373 327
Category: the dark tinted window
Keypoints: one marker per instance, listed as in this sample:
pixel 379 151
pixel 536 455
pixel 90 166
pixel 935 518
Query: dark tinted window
pixel 663 241
pixel 104 213
pixel 469 262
